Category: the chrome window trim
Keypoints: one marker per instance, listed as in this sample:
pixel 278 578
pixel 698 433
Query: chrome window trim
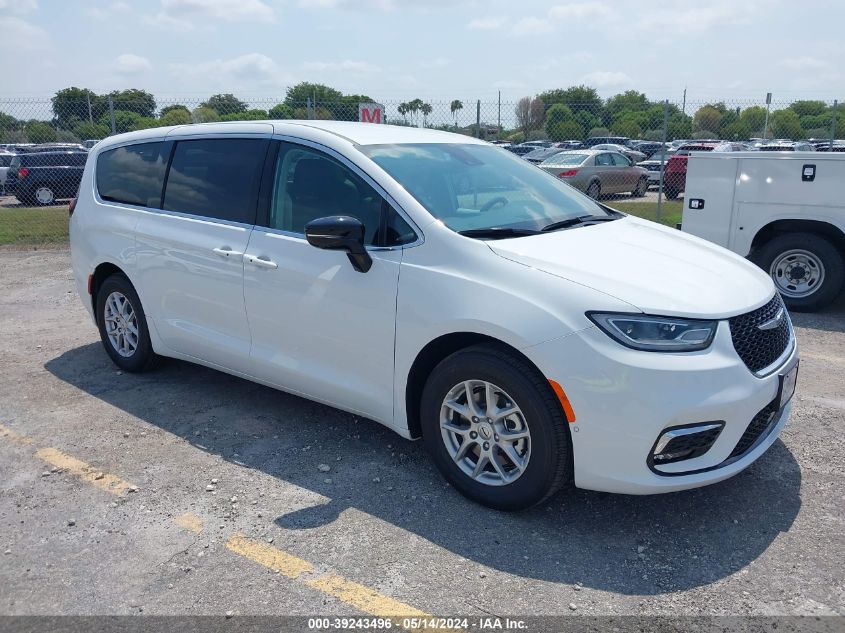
pixel 285 138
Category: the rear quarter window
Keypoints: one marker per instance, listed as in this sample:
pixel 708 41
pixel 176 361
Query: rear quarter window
pixel 133 174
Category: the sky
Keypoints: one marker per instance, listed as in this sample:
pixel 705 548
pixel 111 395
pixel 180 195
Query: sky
pixel 438 50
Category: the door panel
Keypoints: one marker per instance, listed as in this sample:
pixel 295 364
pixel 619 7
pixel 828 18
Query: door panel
pixel 319 327
pixel 190 256
pixel 194 294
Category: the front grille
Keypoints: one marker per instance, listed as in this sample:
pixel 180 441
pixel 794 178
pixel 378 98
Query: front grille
pixel 760 348
pixel 760 426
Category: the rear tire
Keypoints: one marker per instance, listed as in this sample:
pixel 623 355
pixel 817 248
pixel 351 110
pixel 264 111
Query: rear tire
pixel 671 193
pixel 807 269
pixel 44 195
pixel 594 190
pixel 541 461
pixel 123 325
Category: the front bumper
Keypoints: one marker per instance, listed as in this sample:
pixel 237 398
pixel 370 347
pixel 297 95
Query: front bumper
pixel 623 399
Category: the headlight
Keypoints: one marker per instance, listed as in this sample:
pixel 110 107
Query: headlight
pixel 657 334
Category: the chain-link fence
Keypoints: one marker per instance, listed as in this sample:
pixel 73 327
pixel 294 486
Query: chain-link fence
pixel 627 150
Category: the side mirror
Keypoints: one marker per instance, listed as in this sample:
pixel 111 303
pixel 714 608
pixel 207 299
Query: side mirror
pixel 340 233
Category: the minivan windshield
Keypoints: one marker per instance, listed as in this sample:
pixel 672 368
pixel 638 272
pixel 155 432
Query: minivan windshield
pixel 476 187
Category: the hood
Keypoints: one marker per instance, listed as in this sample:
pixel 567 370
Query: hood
pixel 658 270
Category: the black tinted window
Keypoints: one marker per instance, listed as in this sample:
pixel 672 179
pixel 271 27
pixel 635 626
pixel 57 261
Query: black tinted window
pixel 216 178
pixel 133 174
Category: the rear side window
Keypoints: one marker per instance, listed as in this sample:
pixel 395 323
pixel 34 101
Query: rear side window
pixel 133 174
pixel 216 178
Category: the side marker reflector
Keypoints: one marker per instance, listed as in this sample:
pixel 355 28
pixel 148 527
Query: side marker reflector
pixel 90 284
pixel 564 401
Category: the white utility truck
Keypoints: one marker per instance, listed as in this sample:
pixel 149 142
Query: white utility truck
pixel 785 211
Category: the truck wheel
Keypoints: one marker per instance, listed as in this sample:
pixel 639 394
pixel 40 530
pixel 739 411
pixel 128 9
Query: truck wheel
pixel 806 268
pixel 671 193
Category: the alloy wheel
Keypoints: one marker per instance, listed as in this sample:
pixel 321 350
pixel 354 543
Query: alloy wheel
pixel 121 324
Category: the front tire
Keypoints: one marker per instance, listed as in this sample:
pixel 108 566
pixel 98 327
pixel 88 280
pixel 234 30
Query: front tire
pixel 123 325
pixel 806 268
pixel 508 447
pixel 641 188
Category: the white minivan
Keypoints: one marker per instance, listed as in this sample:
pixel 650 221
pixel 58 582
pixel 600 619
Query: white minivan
pixel 443 287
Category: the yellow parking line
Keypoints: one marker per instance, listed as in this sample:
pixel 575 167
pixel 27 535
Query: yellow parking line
pixel 14 436
pixel 352 593
pixel 89 474
pixel 363 598
pixel 190 522
pixel 269 556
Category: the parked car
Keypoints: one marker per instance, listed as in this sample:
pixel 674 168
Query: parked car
pixel 541 154
pixel 787 147
pixel 675 172
pixel 537 144
pixel 653 165
pixel 92 142
pixel 648 148
pixel 598 172
pixel 783 212
pixel 603 140
pixel 521 150
pixel 5 161
pixel 633 155
pixel 42 178
pixel 442 287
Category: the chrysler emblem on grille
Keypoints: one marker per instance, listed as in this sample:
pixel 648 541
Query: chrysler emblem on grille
pixel 772 323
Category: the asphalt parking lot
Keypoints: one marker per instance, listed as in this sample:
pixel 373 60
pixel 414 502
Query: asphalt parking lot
pixel 187 491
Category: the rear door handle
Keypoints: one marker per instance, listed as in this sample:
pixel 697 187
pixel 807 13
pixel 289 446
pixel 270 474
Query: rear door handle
pixel 225 251
pixel 260 261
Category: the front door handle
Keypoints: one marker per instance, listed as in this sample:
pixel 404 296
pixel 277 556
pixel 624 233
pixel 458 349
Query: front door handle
pixel 261 261
pixel 225 251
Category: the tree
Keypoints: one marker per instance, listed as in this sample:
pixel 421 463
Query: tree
pixel 809 108
pixel 707 118
pixel 94 131
pixel 299 94
pixel 40 132
pixel 132 100
pixel 249 115
pixel 786 124
pixel 124 121
pixel 454 107
pixel 753 118
pixel 176 116
pixel 174 107
pixel 576 98
pixel 281 111
pixel 630 100
pixel 225 104
pixel 530 114
pixel 678 126
pixel 561 124
pixel 70 105
pixel 203 114
pixel 425 108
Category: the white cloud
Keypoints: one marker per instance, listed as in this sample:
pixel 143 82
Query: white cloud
pixel 113 10
pixel 129 64
pixel 532 26
pixel 184 14
pixel 562 14
pixel 18 34
pixel 804 63
pixel 249 68
pixel 381 5
pixel 681 20
pixel 490 23
pixel 606 79
pixel 579 11
pixel 345 66
pixel 437 62
pixel 18 6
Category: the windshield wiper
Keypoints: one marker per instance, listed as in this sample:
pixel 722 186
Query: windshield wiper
pixel 581 219
pixel 498 232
